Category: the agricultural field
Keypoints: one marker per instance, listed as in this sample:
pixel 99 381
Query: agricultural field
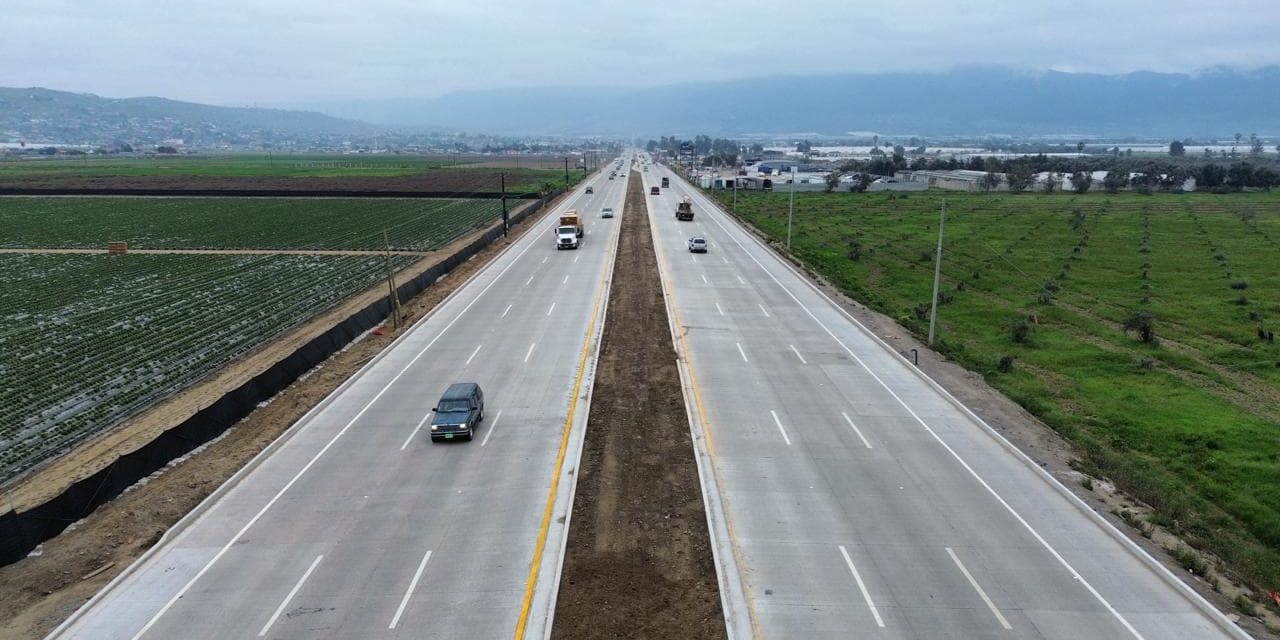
pixel 412 224
pixel 1139 327
pixel 87 340
pixel 285 172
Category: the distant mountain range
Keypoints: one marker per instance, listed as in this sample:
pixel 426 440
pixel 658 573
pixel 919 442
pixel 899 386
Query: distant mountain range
pixel 967 101
pixel 38 115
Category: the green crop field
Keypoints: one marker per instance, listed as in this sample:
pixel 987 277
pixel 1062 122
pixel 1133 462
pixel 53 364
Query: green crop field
pixel 1036 292
pixel 417 224
pixel 288 166
pixel 86 340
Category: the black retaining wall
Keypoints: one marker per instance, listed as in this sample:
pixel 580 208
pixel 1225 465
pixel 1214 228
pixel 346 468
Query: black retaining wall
pixel 22 532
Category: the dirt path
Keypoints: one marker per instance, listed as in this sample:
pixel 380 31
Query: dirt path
pixel 638 562
pixel 229 252
pixel 37 593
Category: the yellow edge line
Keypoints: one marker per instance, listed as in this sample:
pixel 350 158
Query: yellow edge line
pixel 706 432
pixel 527 601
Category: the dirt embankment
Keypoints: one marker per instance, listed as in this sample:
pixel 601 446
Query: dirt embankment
pixel 38 593
pixel 638 562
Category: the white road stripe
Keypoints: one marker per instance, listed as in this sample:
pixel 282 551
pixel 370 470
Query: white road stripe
pixel 566 280
pixel 779 423
pixel 741 281
pixel 797 352
pixel 764 310
pixel 473 354
pixel 275 498
pixel 943 443
pixel 990 605
pixel 741 352
pixel 719 309
pixel 862 587
pixel 505 311
pixel 551 308
pixel 492 425
pixel 544 259
pixel 694 257
pixel 856 429
pixel 292 592
pixel 414 432
pixel 409 592
pixel 724 260
pixel 530 352
pixel 704 278
pixel 526 282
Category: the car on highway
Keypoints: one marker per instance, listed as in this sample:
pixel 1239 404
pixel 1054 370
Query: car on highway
pixel 460 410
pixel 606 212
pixel 697 244
pixel 654 191
pixel 590 190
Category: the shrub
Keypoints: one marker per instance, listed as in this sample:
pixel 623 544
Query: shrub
pixel 1239 285
pixel 1006 364
pixel 1143 324
pixel 1020 330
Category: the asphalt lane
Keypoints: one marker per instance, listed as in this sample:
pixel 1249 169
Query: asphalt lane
pixel 355 525
pixel 857 497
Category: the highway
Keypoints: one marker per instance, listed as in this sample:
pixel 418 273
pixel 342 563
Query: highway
pixel 850 497
pixel 355 525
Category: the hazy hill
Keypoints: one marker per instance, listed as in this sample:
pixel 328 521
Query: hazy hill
pixel 42 115
pixel 961 102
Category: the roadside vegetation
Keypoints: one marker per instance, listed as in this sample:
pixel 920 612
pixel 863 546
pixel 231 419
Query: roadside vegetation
pixel 1141 327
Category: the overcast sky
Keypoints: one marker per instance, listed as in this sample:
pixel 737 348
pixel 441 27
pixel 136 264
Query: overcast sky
pixel 267 52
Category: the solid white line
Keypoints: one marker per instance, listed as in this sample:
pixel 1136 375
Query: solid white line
pixel 473 354
pixel 412 585
pixel 492 425
pixel 551 308
pixel 504 311
pixel 856 429
pixel 292 592
pixel 764 310
pixel 566 280
pixel 990 605
pixel 719 309
pixel 704 278
pixel 530 352
pixel 991 490
pixel 257 516
pixel 862 587
pixel 526 282
pixel 741 352
pixel 797 352
pixel 779 423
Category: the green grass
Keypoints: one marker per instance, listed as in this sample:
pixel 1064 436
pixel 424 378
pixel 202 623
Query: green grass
pixel 1197 433
pixel 89 340
pixel 241 223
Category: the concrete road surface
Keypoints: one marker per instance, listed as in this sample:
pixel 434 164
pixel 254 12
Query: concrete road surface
pixel 355 525
pixel 856 499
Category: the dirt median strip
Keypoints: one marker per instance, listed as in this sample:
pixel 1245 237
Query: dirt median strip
pixel 638 563
pixel 39 592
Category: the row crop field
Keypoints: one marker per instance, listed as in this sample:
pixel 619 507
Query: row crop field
pixel 87 340
pixel 290 166
pixel 1140 327
pixel 412 224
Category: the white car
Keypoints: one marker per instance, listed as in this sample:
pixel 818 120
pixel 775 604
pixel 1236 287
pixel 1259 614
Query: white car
pixel 697 244
pixel 606 212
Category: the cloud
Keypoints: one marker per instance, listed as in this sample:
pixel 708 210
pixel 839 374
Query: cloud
pixel 276 51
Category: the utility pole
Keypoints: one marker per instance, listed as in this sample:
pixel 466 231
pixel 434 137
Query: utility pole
pixel 505 222
pixel 566 173
pixel 937 273
pixel 735 194
pixel 391 285
pixel 790 208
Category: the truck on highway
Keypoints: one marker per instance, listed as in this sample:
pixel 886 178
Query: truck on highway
pixel 569 231
pixel 684 210
pixel 666 182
